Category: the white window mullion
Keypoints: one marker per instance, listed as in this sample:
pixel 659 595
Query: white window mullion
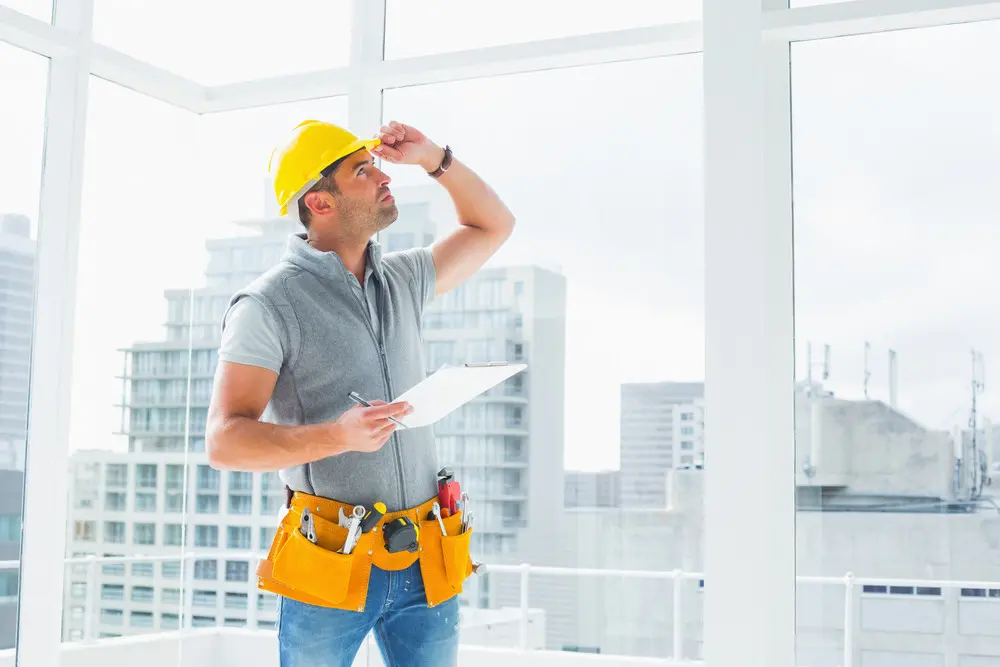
pixel 31 34
pixel 364 101
pixel 46 463
pixel 749 370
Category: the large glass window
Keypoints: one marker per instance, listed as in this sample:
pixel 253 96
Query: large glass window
pixel 441 26
pixel 138 151
pixel 228 40
pixel 584 301
pixel 896 153
pixel 22 122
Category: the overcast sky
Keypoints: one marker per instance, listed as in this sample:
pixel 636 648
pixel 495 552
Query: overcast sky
pixel 896 162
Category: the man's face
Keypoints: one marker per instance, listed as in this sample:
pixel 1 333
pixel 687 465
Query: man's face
pixel 363 201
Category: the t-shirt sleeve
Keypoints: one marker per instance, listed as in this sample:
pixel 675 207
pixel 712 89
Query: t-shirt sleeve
pixel 250 336
pixel 420 262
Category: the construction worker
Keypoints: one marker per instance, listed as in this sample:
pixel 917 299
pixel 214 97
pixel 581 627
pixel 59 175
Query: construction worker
pixel 336 316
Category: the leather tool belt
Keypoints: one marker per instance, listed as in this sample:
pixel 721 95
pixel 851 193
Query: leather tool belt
pixel 317 574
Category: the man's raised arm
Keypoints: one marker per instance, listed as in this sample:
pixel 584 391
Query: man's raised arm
pixel 485 222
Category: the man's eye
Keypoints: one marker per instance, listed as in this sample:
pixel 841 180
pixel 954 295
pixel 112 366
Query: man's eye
pixel 361 171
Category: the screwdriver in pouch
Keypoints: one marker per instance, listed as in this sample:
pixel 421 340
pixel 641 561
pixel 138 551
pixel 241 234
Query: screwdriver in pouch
pixel 436 509
pixel 372 517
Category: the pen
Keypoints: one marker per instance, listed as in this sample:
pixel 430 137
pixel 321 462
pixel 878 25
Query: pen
pixel 362 402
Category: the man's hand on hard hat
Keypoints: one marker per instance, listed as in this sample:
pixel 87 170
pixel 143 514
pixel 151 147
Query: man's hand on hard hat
pixel 368 429
pixel 402 144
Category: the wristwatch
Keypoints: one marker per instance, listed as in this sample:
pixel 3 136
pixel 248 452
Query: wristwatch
pixel 445 163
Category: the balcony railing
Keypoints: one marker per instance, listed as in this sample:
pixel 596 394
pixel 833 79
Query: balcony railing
pixel 852 586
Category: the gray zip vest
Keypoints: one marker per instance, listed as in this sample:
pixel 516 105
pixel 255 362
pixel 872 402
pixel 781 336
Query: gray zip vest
pixel 331 349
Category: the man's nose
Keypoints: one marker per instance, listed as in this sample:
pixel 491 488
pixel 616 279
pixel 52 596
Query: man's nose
pixel 383 178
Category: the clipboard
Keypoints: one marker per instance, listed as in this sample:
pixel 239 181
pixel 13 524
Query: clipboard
pixel 451 387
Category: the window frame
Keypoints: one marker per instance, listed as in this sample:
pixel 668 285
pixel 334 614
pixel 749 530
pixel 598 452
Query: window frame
pixel 745 46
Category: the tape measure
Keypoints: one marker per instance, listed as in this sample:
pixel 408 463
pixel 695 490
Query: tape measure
pixel 401 535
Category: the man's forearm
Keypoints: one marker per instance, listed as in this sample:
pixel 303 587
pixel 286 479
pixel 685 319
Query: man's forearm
pixel 476 204
pixel 249 445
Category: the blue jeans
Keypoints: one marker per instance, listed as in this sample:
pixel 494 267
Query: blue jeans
pixel 408 632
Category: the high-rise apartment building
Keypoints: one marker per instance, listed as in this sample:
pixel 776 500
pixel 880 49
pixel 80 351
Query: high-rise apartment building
pixel 11 496
pixel 17 295
pixel 142 503
pixel 661 429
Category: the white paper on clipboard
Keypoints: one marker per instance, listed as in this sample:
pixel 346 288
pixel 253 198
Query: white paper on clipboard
pixel 451 387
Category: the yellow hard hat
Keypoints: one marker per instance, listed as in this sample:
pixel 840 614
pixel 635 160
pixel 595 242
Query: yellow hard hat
pixel 313 146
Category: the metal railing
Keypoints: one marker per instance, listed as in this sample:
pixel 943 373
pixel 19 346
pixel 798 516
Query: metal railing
pixel 524 570
pixel 187 579
pixel 851 583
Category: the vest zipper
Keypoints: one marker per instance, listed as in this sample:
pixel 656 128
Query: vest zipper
pixel 379 341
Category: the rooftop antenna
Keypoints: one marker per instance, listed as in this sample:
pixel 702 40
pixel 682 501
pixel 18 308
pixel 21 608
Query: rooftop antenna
pixel 979 476
pixel 810 363
pixel 812 464
pixel 893 379
pixel 868 375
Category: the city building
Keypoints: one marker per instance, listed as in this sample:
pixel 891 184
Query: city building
pixel 884 523
pixel 17 296
pixel 11 496
pixel 662 428
pixel 593 489
pixel 139 504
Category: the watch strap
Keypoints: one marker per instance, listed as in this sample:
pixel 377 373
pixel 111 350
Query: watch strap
pixel 445 163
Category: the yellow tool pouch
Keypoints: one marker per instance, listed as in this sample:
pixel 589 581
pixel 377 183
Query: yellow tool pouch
pixel 316 574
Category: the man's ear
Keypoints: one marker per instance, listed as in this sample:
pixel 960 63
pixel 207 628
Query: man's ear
pixel 319 202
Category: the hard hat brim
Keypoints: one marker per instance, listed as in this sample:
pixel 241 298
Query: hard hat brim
pixel 328 159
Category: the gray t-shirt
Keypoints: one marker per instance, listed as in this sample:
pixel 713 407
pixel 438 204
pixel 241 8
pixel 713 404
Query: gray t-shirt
pixel 251 333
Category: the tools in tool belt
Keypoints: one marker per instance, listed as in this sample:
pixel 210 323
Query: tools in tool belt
pixel 320 573
pixel 307 526
pixel 436 512
pixel 353 528
pixel 401 535
pixel 373 516
pixel 466 514
pixel 449 491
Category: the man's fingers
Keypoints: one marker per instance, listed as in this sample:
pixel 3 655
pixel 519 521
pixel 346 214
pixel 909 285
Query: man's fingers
pixel 392 133
pixel 389 410
pixel 388 152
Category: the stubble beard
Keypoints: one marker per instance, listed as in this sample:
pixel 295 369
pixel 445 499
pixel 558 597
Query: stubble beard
pixel 363 222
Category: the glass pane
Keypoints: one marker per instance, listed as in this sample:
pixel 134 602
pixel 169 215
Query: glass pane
pixel 442 26
pixel 896 154
pixel 128 416
pixel 228 40
pixel 39 9
pixel 22 128
pixel 609 233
